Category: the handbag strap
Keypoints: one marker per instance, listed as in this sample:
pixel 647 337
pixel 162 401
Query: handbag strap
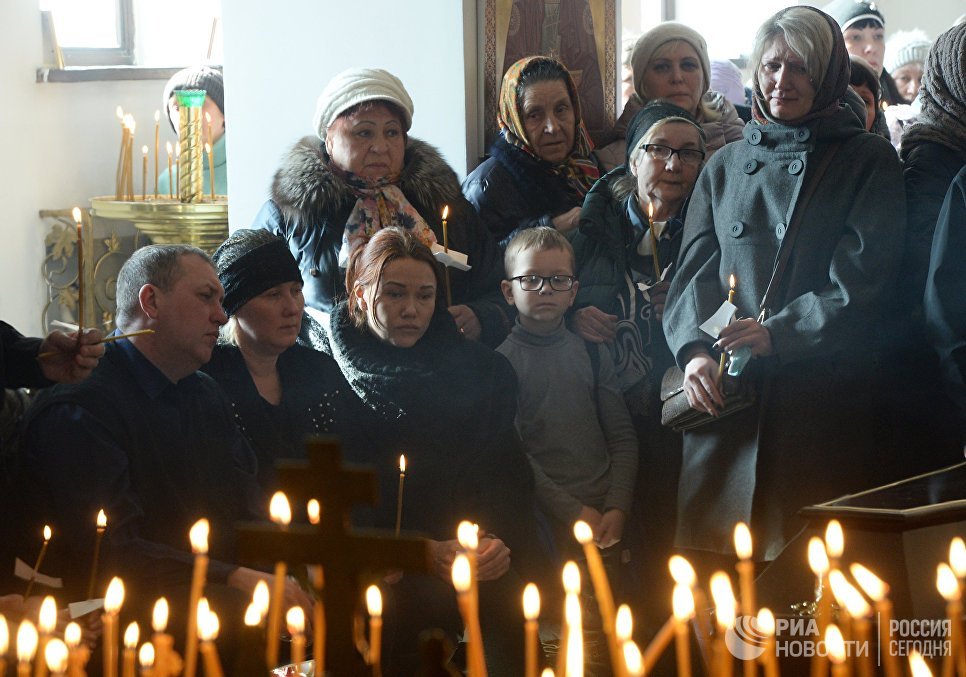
pixel 788 242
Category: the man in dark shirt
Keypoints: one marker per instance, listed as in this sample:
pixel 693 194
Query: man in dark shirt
pixel 152 441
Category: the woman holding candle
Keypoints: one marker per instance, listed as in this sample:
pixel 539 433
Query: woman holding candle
pixel 810 434
pixel 363 173
pixel 280 392
pixel 540 166
pixel 449 403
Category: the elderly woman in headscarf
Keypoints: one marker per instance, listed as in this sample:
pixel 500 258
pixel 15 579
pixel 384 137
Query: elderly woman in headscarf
pixel 363 173
pixel 816 395
pixel 539 169
pixel 671 62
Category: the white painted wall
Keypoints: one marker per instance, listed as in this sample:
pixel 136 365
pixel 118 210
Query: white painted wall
pixel 279 56
pixel 60 145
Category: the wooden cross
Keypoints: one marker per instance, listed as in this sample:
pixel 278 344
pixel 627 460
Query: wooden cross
pixel 348 556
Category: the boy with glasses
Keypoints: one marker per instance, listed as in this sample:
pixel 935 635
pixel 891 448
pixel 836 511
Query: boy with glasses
pixel 570 413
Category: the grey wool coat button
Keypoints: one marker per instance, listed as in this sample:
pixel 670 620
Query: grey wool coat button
pixel 780 230
pixel 737 229
pixel 755 137
pixel 802 134
pixel 796 167
pixel 750 166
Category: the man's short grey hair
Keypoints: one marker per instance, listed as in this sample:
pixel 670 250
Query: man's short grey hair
pixel 808 34
pixel 156 264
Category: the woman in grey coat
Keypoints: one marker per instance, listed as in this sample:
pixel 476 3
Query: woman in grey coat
pixel 808 438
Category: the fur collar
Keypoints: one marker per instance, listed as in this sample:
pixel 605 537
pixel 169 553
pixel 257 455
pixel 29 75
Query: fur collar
pixel 307 191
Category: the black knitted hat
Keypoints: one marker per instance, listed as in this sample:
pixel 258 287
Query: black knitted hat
pixel 250 262
pixel 646 117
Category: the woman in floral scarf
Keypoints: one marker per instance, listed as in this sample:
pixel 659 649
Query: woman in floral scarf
pixel 540 167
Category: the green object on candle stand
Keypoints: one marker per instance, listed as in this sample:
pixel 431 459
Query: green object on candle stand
pixel 191 98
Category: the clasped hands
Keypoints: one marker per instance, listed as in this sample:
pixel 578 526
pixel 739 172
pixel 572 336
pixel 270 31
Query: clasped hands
pixel 492 558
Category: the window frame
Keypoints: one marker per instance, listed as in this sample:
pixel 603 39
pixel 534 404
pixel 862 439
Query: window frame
pixel 122 55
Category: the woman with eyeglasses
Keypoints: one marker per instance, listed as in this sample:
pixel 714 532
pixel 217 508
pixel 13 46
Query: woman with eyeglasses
pixel 810 183
pixel 626 245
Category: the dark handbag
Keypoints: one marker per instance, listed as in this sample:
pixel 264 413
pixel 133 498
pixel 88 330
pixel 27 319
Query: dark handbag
pixel 738 391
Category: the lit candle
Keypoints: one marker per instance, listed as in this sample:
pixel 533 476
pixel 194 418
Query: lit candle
pixel 374 606
pixel 835 647
pixel 399 495
pixel 682 572
pixel 55 653
pixel 724 613
pixel 745 568
pixel 295 622
pixel 207 621
pixel 101 525
pixel 167 145
pixel 163 642
pixel 4 645
pixel 834 543
pixel 878 592
pixel 769 657
pixel 120 157
pixel 531 612
pixel 77 653
pixel 575 638
pixel 46 624
pixel 468 536
pixel 157 152
pixel 78 222
pixel 918 665
pixel 449 291
pixel 146 660
pixel 211 169
pixel 957 560
pixel 571 584
pixel 144 174
pixel 605 600
pixel 683 605
pixel 113 600
pixel 281 513
pixel 26 647
pixel 624 624
pixel 462 579
pixel 131 636
pixel 948 587
pixel 819 564
pixel 208 126
pixel 129 158
pixel 724 355
pixel 314 511
pixel 650 227
pixel 860 612
pixel 198 535
pixel 633 660
pixel 40 560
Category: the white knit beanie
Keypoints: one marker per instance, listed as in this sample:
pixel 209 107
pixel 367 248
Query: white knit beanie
pixel 355 86
pixel 663 33
pixel 906 47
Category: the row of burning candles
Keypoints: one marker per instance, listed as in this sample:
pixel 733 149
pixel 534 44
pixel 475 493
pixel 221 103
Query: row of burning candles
pixel 158 658
pixel 124 181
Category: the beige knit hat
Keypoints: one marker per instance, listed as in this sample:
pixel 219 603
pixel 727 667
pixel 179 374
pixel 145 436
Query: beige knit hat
pixel 663 33
pixel 355 86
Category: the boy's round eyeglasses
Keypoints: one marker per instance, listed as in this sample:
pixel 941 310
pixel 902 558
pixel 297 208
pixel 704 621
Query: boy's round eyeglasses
pixel 688 156
pixel 536 282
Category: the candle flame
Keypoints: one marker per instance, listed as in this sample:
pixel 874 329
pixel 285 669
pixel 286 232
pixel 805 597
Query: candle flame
pixel 731 280
pixel 4 635
pixel 724 599
pixel 144 149
pixel 101 516
pixel 946 582
pixel 132 633
pixel 199 537
pixel 146 655
pixel 835 644
pixel 280 510
pixel 208 629
pixel 633 659
pixel 76 213
pixel 207 148
pixel 682 571
pixel 167 145
pixel 260 597
pixel 47 533
pixel 817 557
pixel 445 212
pixel 114 597
pixel 26 641
pixel 119 112
pixel 650 211
pixel 583 532
pixel 531 602
pixel 873 586
pixel 72 636
pixel 957 557
pixel 742 533
pixel 547 672
pixel 55 654
pixel 468 535
pixel 918 665
pixel 682 602
pixel 159 616
pixel 766 622
pixel 252 615
pixel 157 116
pixel 295 620
pixel 461 573
pixel 834 539
pixel 624 625
pixel 208 118
pixel 571 578
pixel 47 620
pixel 847 595
pixel 402 463
pixel 374 601
pixel 314 509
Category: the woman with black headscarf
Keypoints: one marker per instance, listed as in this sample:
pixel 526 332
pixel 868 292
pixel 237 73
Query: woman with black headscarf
pixel 808 435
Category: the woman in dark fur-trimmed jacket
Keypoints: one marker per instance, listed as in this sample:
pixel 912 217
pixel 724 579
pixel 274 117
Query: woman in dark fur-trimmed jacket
pixel 367 174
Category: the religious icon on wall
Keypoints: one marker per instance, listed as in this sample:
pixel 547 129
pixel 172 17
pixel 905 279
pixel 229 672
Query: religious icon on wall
pixel 580 33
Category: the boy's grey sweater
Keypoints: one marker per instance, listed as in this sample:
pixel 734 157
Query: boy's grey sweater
pixel 583 452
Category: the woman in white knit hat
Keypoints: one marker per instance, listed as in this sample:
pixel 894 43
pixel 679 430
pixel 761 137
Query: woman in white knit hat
pixel 361 173
pixel 905 56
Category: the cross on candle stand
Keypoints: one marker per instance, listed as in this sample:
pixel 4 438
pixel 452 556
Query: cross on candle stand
pixel 351 558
